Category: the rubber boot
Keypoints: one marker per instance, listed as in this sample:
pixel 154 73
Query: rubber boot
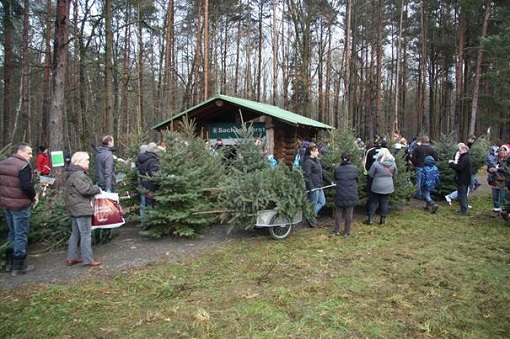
pixel 370 220
pixel 382 221
pixel 8 259
pixel 20 267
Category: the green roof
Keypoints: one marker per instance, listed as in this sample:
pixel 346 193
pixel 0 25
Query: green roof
pixel 263 109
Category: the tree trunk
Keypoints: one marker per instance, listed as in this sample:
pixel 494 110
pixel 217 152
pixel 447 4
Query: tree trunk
pixel 459 74
pixel 56 127
pixel 108 74
pixel 8 67
pixel 168 84
pixel 380 119
pixel 274 49
pixel 140 106
pixel 206 49
pixel 46 85
pixel 478 72
pixel 347 66
pixel 25 78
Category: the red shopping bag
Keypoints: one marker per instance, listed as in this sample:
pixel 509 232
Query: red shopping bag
pixel 107 211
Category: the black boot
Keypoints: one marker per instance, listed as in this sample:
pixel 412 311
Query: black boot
pixel 19 266
pixel 433 207
pixel 382 221
pixel 370 220
pixel 8 259
pixel 428 207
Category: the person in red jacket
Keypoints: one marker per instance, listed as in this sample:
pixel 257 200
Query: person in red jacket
pixel 42 162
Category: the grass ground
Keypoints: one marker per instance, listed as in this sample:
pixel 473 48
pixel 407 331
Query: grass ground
pixel 422 275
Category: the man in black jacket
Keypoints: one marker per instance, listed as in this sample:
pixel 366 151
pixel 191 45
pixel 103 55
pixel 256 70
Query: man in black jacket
pixel 420 152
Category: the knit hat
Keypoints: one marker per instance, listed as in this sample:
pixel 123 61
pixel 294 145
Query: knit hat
pixel 429 160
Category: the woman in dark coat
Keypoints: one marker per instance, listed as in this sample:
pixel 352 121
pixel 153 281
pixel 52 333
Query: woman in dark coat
pixel 462 164
pixel 314 174
pixel 346 197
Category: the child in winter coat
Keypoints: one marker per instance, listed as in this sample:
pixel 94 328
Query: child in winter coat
pixel 430 182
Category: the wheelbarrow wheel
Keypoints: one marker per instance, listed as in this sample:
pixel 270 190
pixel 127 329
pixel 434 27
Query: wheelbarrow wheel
pixel 283 230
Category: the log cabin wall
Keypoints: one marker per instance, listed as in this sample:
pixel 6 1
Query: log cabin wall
pixel 285 138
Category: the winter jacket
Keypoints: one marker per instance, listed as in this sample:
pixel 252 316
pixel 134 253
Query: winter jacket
pixel 492 162
pixel 16 183
pixel 370 157
pixel 382 174
pixel 346 177
pixel 79 192
pixel 313 173
pixel 42 163
pixel 105 168
pixel 429 175
pixel 420 152
pixel 147 165
pixel 463 169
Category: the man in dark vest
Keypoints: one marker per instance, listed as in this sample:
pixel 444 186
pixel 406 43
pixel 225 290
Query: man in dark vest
pixel 17 194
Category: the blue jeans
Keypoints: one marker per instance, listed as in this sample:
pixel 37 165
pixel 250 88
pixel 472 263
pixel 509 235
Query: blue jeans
pixel 18 223
pixel 418 182
pixel 498 198
pixel 427 196
pixel 318 198
pixel 81 231
pixel 453 195
pixel 474 182
pixel 142 205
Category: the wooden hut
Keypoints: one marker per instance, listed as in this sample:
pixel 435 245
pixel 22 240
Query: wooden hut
pixel 218 116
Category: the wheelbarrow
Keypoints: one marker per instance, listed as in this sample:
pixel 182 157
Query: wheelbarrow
pixel 280 226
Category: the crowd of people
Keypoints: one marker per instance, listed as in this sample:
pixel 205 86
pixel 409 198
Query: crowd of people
pixel 18 193
pixel 380 169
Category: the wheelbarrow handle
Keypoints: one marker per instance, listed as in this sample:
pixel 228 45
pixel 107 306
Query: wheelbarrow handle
pixel 318 188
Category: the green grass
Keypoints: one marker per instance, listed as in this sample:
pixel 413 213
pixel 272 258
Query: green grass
pixel 421 275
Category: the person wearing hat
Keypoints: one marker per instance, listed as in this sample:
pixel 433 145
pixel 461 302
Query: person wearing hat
pixel 42 162
pixel 420 152
pixel 430 181
pixel 463 165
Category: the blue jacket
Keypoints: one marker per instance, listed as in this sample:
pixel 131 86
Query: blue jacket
pixel 430 175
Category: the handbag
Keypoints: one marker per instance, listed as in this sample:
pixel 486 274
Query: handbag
pixel 107 211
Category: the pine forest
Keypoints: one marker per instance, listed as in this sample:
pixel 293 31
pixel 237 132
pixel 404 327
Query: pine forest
pixel 74 70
